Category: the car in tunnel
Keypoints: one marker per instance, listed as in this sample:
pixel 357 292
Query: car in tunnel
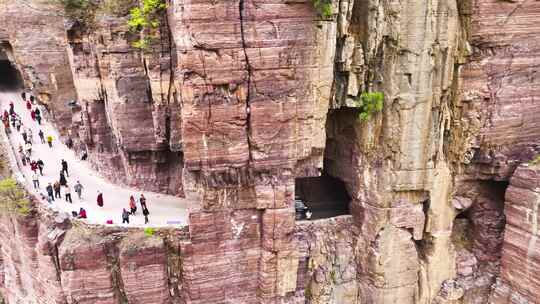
pixel 302 212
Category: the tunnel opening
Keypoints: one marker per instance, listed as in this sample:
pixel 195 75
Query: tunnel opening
pixel 478 233
pixel 324 196
pixel 10 78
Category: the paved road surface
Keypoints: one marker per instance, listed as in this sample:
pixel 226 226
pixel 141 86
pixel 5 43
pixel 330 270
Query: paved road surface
pixel 165 210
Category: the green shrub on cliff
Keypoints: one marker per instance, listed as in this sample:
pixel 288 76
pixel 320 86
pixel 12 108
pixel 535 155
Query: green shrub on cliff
pixel 149 231
pixel 13 197
pixel 145 19
pixel 369 103
pixel 80 10
pixel 535 160
pixel 323 7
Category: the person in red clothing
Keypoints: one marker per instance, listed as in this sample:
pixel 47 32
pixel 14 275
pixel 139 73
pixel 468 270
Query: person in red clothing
pixel 28 105
pixel 33 114
pixel 100 199
pixel 6 125
pixel 82 213
pixel 6 115
pixel 132 205
pixel 33 166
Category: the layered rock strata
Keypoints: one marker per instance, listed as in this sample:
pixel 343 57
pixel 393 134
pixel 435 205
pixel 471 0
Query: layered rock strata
pixel 518 282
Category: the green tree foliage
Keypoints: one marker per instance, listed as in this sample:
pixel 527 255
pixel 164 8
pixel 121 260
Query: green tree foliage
pixel 145 19
pixel 323 7
pixel 13 197
pixel 369 103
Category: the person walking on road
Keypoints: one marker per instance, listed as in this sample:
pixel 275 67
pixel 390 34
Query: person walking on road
pixel 56 187
pixel 30 136
pixel 84 155
pixel 35 180
pixel 28 105
pixel 65 167
pixel 23 157
pixel 49 141
pixel 132 205
pixel 28 148
pixel 100 199
pixel 17 124
pixel 142 200
pixel 63 180
pixel 41 136
pixel 27 157
pixel 67 193
pixel 50 190
pixel 6 126
pixel 24 136
pixel 78 188
pixel 69 143
pixel 33 115
pixel 145 212
pixel 33 166
pixel 125 216
pixel 38 116
pixel 40 165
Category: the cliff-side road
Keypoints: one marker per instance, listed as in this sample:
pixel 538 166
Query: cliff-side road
pixel 164 209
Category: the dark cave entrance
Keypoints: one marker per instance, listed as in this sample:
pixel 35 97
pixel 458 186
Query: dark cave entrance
pixel 325 196
pixel 480 228
pixel 10 78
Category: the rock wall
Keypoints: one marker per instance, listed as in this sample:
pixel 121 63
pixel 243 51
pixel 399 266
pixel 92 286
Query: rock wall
pixel 499 88
pixel 46 258
pixel 33 36
pixel 128 117
pixel 518 282
pixel 499 115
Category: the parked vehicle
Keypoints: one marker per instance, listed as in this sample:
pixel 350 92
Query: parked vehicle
pixel 301 210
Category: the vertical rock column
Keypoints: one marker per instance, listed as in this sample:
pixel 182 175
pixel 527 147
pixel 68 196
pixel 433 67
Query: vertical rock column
pixel 395 164
pixel 251 119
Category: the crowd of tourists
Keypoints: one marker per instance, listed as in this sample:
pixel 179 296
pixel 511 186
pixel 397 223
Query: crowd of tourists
pixel 55 187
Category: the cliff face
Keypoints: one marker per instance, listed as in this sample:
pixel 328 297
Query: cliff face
pixel 238 100
pixel 39 54
pixel 128 115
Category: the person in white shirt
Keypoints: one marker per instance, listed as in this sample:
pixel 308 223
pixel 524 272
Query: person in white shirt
pixel 35 180
pixel 67 193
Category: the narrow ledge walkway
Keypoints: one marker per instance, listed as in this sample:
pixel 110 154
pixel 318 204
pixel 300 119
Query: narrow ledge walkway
pixel 165 210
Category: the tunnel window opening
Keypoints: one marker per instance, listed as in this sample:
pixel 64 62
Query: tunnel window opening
pixel 10 78
pixel 461 232
pixel 323 196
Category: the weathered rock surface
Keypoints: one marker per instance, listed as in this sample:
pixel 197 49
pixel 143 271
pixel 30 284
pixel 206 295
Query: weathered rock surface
pixel 519 281
pixel 500 87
